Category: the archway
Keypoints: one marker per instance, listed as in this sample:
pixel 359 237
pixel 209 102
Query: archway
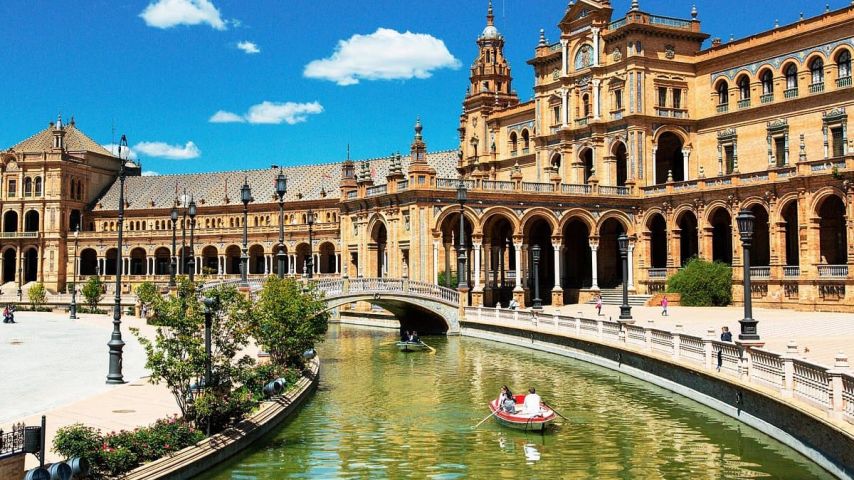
pixel 31 265
pixel 500 262
pixel 379 239
pixel 88 262
pixel 256 260
pixel 451 243
pixel 327 258
pixel 610 266
pixel 74 221
pixel 688 239
pixel 10 221
pixel 538 231
pixel 138 262
pixel 832 235
pixel 276 259
pixel 721 223
pixel 232 260
pixel 791 233
pixel 576 266
pixel 302 252
pixel 657 241
pixel 622 160
pixel 110 260
pixel 162 261
pixel 10 260
pixel 669 158
pixel 760 249
pixel 31 221
pixel 586 158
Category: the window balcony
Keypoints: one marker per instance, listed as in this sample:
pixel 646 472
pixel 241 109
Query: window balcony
pixel 790 93
pixel 817 87
pixel 526 151
pixel 617 114
pixel 744 103
pixel 723 108
pixel 581 122
pixel 760 273
pixel 832 271
pixel 19 234
pixel 843 82
pixel 657 273
pixel 513 153
pixel 767 98
pixel 791 271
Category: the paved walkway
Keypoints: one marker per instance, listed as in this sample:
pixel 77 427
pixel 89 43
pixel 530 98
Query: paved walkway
pixel 819 335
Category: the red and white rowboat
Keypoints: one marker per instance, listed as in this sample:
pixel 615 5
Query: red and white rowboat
pixel 523 421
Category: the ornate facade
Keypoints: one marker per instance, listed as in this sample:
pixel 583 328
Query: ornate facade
pixel 633 128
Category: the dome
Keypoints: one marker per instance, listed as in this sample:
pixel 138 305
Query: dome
pixel 490 32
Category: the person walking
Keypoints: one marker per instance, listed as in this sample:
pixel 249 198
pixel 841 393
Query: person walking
pixel 664 306
pixel 598 305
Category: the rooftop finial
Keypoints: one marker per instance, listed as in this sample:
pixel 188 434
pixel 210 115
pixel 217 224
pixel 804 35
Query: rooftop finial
pixel 731 38
pixel 490 18
pixel 694 11
pixel 635 5
pixel 418 126
pixel 59 122
pixel 776 23
pixel 826 7
pixel 542 38
pixel 348 152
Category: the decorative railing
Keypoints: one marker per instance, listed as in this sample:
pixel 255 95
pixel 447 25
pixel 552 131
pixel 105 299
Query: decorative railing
pixel 817 87
pixel 657 273
pixel 609 190
pixel 617 114
pixel 12 442
pixel 692 349
pixel 745 103
pixel 671 112
pixel 617 24
pixel 669 21
pixel 333 288
pixel 767 368
pixel 402 185
pixel 791 271
pixel 19 234
pixel 790 93
pixel 843 82
pixel 498 185
pixel 723 108
pixel 580 122
pixel 848 397
pixel 649 191
pixel 575 189
pixel 760 273
pixel 554 47
pixel 833 271
pixel 376 190
pixel 766 98
pixel 537 187
pixel 353 194
pixel 448 183
pixel 811 382
pixel 662 341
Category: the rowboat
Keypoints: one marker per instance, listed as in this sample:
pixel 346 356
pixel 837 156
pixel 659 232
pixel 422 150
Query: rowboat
pixel 412 346
pixel 523 421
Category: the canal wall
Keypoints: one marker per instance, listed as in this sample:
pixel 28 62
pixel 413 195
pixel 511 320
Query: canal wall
pixel 687 365
pixel 194 460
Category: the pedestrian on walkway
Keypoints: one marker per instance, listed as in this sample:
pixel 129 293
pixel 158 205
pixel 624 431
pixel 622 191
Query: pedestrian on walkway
pixel 664 306
pixel 598 305
pixel 726 336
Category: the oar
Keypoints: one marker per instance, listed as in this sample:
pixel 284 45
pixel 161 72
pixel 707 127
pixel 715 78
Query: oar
pixel 432 350
pixel 558 413
pixel 491 413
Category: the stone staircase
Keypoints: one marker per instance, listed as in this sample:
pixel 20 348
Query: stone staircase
pixel 614 296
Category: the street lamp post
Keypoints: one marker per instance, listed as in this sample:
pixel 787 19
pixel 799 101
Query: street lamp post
pixel 310 262
pixel 245 197
pixel 192 263
pixel 184 234
pixel 462 280
pixel 116 343
pixel 625 308
pixel 209 306
pixel 173 215
pixel 538 302
pixel 72 309
pixel 745 220
pixel 281 190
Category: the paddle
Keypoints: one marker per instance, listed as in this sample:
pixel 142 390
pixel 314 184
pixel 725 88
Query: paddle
pixel 491 413
pixel 558 413
pixel 432 350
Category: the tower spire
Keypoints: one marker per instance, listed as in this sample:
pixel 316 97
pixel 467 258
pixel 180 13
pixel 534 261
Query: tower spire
pixel 490 18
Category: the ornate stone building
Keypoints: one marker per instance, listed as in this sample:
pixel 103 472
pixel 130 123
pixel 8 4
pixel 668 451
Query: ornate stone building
pixel 633 127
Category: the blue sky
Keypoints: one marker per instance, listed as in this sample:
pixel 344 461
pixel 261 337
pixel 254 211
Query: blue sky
pixel 161 70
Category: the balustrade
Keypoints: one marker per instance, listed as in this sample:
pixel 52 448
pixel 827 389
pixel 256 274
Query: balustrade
pixel 833 271
pixel 760 273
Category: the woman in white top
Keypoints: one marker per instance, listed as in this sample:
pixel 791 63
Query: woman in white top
pixel 532 403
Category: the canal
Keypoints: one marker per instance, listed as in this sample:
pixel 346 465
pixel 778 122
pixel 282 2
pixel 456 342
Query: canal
pixel 381 413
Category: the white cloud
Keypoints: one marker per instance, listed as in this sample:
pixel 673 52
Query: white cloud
pixel 271 113
pixel 114 149
pixel 150 173
pixel 164 150
pixel 383 55
pixel 248 47
pixel 171 13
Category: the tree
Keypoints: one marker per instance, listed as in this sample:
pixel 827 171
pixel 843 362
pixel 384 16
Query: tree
pixel 37 295
pixel 147 293
pixel 287 321
pixel 701 283
pixel 93 292
pixel 176 356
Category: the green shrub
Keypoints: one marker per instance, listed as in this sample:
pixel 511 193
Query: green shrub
pixel 147 293
pixel 37 295
pixel 701 283
pixel 93 291
pixel 78 440
pixel 446 282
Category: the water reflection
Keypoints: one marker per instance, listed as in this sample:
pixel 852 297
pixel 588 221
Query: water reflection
pixel 381 413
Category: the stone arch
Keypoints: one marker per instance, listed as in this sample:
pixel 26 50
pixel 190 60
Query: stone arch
pixel 617 215
pixel 688 227
pixel 210 260
pixel 31 221
pixel 831 213
pixel 787 214
pixel 720 220
pixel 669 157
pixel 500 233
pixel 10 221
pixel 10 260
pixel 539 212
pixel 470 214
pixel 609 266
pixel 137 259
pixel 378 244
pixel 760 248
pixel 257 259
pixel 499 211
pixel 301 253
pixel 675 130
pixel 585 156
pixel 232 260
pixel 326 258
pixel 162 261
pixel 655 226
pixel 88 262
pixel 581 215
pixel 821 195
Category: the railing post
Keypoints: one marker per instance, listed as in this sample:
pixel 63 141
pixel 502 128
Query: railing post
pixel 599 329
pixel 744 365
pixel 789 369
pixel 834 375
pixel 496 313
pixel 647 338
pixel 677 340
pixel 708 348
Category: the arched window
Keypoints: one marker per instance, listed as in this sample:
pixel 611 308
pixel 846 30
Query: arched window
pixel 843 65
pixel 767 82
pixel 28 187
pixel 526 140
pixel 584 57
pixel 79 189
pixel 791 77
pixel 585 102
pixel 514 143
pixel 723 93
pixel 744 88
pixel 72 186
pixel 38 183
pixel 817 71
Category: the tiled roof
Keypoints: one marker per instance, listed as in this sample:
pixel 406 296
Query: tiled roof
pixel 306 182
pixel 75 141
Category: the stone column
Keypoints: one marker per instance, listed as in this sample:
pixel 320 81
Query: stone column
pixel 436 262
pixel 564 57
pixel 595 32
pixel 337 263
pixel 477 286
pixel 518 267
pixel 594 248
pixel 631 273
pixel 686 153
pixel 557 291
pixel 596 109
pixel 564 107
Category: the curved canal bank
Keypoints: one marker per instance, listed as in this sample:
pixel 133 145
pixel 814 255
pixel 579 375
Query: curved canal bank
pixel 382 413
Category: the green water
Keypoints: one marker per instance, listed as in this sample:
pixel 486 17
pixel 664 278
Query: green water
pixel 380 413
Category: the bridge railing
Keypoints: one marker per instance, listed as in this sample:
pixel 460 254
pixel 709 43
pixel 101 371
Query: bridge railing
pixel 830 389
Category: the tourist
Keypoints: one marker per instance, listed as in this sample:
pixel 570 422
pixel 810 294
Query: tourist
pixel 531 406
pixel 598 305
pixel 664 306
pixel 404 335
pixel 6 314
pixel 505 392
pixel 414 338
pixel 512 304
pixel 726 335
pixel 509 403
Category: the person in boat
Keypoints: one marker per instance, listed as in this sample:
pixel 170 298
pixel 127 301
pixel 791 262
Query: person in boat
pixel 404 335
pixel 509 403
pixel 414 338
pixel 532 406
pixel 505 392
